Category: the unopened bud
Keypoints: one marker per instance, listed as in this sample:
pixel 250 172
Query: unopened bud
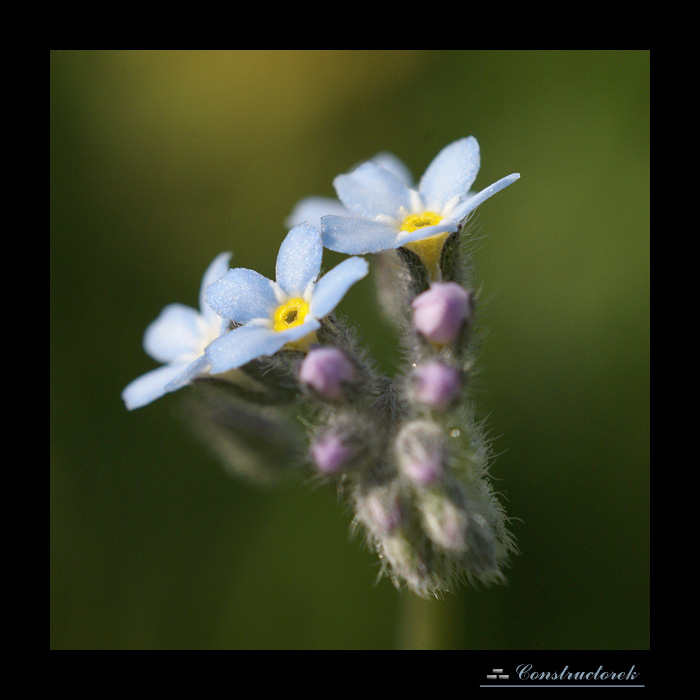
pixel 445 523
pixel 436 384
pixel 420 449
pixel 440 312
pixel 325 370
pixel 383 511
pixel 330 453
pixel 409 563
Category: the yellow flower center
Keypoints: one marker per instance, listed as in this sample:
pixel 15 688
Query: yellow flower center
pixel 429 249
pixel 415 221
pixel 291 313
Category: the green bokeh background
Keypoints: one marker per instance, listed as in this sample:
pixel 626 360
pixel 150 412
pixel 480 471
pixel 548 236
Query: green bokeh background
pixel 160 160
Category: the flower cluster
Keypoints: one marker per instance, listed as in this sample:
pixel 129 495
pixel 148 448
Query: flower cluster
pixel 281 384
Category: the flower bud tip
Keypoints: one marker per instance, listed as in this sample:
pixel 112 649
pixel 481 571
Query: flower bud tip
pixel 436 384
pixel 441 311
pixel 325 370
pixel 330 454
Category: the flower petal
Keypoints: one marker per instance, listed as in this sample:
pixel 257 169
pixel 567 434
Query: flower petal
pixel 390 162
pixel 242 295
pixel 426 232
pixel 216 270
pixel 333 286
pixel 241 345
pixel 151 386
pixel 299 259
pixel 357 236
pixel 462 210
pixel 176 332
pixel 311 209
pixel 451 173
pixel 188 372
pixel 291 335
pixel 371 190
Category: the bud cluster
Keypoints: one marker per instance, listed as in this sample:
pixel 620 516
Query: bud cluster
pixel 284 385
pixel 446 524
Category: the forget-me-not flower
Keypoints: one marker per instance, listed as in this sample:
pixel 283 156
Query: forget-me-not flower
pixel 386 212
pixel 270 315
pixel 312 209
pixel 407 451
pixel 177 338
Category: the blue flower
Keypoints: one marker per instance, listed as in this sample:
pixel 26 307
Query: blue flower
pixel 386 212
pixel 177 338
pixel 270 315
pixel 312 209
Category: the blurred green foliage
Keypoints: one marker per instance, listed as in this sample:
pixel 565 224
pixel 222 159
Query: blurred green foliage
pixel 162 159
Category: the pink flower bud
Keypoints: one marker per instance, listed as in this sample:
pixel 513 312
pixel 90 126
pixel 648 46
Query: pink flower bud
pixel 440 312
pixel 435 384
pixel 330 454
pixel 325 370
pixel 420 450
pixel 385 512
pixel 423 471
pixel 445 523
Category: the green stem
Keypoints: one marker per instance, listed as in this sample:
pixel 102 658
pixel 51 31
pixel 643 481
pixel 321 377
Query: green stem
pixel 428 624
